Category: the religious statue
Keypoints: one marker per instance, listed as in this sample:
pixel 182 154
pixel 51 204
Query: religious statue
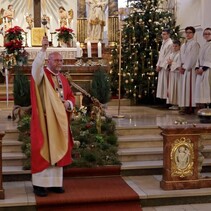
pixel 30 21
pixel 1 16
pixel 96 19
pixel 182 157
pixel 63 17
pixel 70 16
pixel 8 16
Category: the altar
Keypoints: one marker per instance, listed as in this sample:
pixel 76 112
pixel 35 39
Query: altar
pixel 67 53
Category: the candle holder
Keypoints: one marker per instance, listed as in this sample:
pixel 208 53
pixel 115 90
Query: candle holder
pixel 26 40
pixel 100 61
pixel 59 44
pixel 89 62
pixel 79 61
pixel 51 42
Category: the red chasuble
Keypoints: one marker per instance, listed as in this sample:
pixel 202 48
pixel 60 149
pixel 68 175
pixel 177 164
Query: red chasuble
pixel 38 137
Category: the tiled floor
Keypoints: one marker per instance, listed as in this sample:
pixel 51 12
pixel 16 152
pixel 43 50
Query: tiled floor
pixel 20 193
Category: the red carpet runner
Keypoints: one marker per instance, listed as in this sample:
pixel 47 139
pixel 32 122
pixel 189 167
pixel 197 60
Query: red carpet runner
pixel 92 194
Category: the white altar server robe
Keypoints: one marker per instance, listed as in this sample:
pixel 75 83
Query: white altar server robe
pixel 174 79
pixel 189 53
pixel 165 51
pixel 203 82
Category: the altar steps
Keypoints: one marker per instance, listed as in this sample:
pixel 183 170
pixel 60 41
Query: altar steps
pixel 141 151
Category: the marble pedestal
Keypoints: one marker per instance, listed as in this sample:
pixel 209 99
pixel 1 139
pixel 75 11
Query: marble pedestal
pixel 182 157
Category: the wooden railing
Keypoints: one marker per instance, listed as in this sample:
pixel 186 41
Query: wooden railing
pixel 1 185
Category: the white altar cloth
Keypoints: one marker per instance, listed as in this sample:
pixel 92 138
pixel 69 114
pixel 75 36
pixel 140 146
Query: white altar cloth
pixel 67 53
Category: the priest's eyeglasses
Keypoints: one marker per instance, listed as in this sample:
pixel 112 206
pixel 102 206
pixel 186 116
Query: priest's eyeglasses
pixel 58 60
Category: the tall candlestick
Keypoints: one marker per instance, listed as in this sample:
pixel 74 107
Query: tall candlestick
pixel 78 49
pixel 89 49
pixel 99 49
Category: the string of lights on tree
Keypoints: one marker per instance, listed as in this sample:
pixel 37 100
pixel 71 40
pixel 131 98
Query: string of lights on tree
pixel 141 40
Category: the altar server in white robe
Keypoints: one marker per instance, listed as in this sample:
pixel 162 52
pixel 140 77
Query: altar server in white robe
pixel 161 67
pixel 203 71
pixel 174 75
pixel 189 53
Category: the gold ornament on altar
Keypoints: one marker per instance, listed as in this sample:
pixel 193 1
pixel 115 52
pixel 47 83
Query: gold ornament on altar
pixel 182 158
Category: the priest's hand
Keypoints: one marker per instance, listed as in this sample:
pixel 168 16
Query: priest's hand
pixel 158 69
pixel 67 105
pixel 45 43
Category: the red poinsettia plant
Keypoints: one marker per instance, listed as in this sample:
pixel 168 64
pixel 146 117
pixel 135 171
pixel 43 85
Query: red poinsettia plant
pixel 14 50
pixel 65 34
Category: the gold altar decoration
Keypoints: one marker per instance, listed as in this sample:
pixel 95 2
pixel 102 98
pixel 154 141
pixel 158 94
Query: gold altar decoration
pixel 113 27
pixel 81 30
pixel 37 36
pixel 182 158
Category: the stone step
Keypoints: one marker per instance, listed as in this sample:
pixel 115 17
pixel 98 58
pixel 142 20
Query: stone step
pixel 141 154
pixel 11 146
pixel 145 140
pixel 3 95
pixel 150 153
pixel 3 87
pixel 12 159
pixel 11 134
pixel 121 131
pixel 14 170
pixel 154 164
pixel 5 105
pixel 15 173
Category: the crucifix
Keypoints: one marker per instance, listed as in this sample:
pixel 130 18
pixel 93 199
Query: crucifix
pixel 37 10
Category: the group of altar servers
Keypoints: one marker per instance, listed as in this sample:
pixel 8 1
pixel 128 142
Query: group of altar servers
pixel 184 72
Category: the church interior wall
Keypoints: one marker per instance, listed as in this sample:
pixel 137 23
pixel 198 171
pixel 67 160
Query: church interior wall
pixel 189 13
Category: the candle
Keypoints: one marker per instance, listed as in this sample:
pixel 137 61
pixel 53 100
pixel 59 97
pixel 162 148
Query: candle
pixel 71 24
pixel 89 49
pixel 99 49
pixel 78 49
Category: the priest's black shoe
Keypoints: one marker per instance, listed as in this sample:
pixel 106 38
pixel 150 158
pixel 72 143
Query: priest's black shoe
pixel 56 189
pixel 40 191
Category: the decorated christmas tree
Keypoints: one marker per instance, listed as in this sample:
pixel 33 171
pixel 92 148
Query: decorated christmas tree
pixel 141 40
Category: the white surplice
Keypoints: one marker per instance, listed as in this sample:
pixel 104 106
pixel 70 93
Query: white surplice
pixel 203 82
pixel 174 78
pixel 165 51
pixel 189 53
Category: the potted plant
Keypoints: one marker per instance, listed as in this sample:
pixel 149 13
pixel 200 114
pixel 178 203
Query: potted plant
pixel 100 87
pixel 65 35
pixel 15 56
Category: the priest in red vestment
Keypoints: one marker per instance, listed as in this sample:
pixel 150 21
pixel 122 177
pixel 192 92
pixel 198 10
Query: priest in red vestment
pixel 51 140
